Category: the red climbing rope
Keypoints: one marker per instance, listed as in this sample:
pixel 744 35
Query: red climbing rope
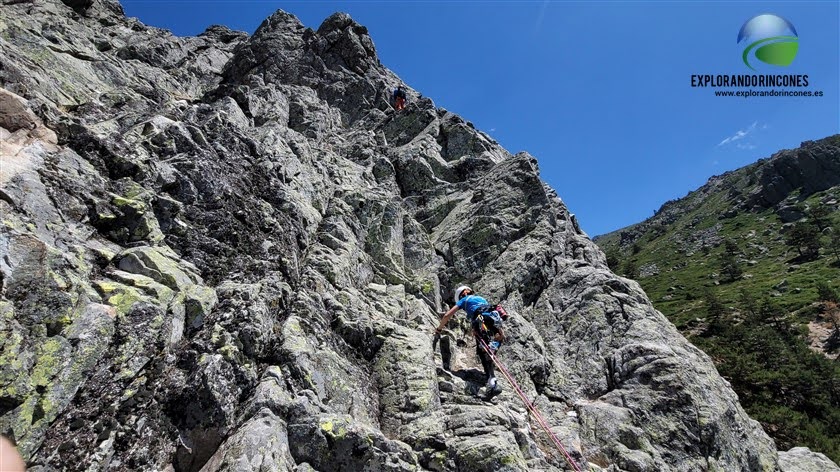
pixel 530 406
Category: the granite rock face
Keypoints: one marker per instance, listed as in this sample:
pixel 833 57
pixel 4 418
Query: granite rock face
pixel 228 252
pixel 812 167
pixel 781 182
pixel 802 459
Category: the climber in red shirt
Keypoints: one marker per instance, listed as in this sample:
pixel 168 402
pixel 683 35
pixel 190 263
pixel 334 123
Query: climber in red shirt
pixel 399 98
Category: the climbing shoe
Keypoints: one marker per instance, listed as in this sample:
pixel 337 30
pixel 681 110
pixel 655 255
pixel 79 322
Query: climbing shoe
pixel 493 389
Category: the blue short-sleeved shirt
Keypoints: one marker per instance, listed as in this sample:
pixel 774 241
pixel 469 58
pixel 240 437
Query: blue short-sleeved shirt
pixel 470 303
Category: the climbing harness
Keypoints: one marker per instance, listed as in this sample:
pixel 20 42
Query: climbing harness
pixel 529 405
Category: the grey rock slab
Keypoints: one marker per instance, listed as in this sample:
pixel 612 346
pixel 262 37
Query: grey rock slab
pixel 259 444
pixel 802 459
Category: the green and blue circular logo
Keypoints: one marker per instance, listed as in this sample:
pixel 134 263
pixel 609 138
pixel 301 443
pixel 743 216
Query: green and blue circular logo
pixel 773 39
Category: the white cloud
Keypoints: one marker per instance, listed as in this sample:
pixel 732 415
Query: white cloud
pixel 745 146
pixel 740 134
pixel 492 129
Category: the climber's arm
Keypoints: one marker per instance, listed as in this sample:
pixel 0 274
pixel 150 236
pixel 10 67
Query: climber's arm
pixel 446 317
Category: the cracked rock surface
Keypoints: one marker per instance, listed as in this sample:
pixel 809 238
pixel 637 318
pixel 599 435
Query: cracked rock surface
pixel 228 253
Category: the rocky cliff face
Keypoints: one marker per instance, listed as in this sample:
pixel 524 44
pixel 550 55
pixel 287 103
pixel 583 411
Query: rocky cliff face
pixel 812 167
pixel 701 259
pixel 780 182
pixel 228 253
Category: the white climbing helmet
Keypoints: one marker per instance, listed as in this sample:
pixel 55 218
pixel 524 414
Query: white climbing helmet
pixel 459 291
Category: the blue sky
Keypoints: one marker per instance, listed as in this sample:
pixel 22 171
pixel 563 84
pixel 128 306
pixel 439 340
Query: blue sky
pixel 599 92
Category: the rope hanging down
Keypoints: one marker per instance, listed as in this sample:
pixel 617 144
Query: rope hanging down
pixel 530 406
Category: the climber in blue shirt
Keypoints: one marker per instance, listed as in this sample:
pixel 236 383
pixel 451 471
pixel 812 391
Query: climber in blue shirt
pixel 486 322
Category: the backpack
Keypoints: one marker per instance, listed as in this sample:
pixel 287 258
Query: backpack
pixel 498 308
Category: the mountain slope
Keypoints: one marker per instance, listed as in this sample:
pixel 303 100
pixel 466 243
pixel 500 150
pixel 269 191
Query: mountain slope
pixel 227 252
pixel 720 263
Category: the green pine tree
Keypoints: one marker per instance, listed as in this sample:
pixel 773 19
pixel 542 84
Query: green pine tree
pixel 804 236
pixel 820 216
pixel 834 242
pixel 728 262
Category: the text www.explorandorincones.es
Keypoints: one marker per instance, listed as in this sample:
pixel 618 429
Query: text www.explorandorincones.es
pixel 768 93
